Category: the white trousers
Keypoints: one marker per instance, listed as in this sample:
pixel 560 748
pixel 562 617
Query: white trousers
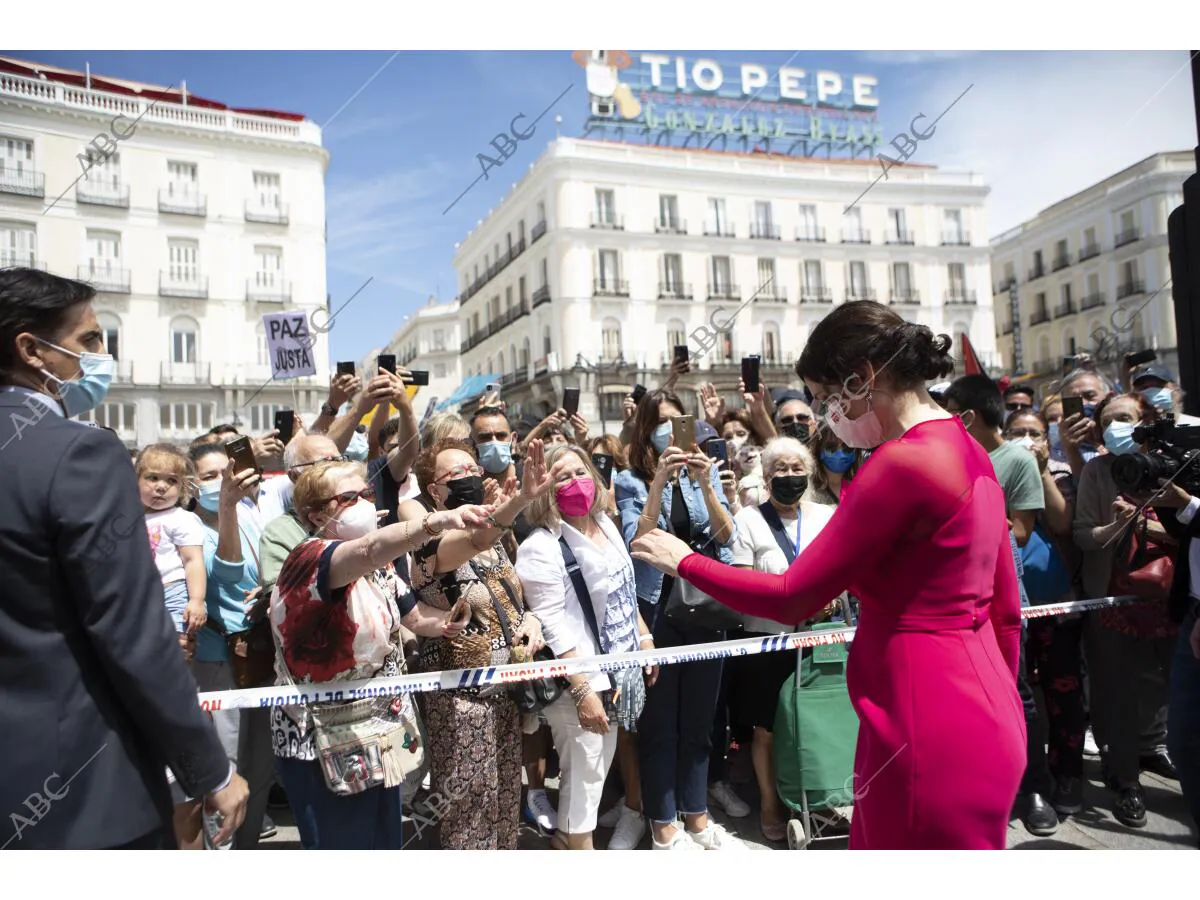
pixel 584 758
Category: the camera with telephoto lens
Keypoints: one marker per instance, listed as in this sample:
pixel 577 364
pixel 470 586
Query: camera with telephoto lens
pixel 1174 450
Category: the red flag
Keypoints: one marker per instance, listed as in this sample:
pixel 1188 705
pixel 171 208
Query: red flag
pixel 971 365
pixel 1004 383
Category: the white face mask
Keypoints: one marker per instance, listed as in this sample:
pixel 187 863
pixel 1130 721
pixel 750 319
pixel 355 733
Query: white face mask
pixel 737 442
pixel 357 521
pixel 863 433
pixel 1025 441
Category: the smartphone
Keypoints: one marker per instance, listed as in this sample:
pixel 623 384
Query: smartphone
pixel 241 455
pixel 418 377
pixel 717 449
pixel 604 465
pixel 681 353
pixel 570 401
pixel 1141 358
pixel 639 391
pixel 1071 406
pixel 684 428
pixel 285 424
pixel 750 373
pixel 387 362
pixel 346 368
pixel 492 388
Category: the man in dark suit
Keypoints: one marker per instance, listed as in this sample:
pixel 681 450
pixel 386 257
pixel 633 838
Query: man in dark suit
pixel 95 697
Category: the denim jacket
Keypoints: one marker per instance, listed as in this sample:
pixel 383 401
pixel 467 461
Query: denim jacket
pixel 632 494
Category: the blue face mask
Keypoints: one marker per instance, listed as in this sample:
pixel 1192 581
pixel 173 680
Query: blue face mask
pixel 1118 438
pixel 1089 410
pixel 1053 435
pixel 358 448
pixel 1160 398
pixel 837 461
pixel 210 495
pixel 88 390
pixel 661 438
pixel 495 456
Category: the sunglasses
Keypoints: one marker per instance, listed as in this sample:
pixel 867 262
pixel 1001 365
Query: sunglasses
pixel 346 498
pixel 1013 407
pixel 795 420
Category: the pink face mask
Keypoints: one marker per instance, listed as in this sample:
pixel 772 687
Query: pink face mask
pixel 575 497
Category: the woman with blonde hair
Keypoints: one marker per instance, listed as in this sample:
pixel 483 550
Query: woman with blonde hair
pixel 444 426
pixel 578 577
pixel 336 612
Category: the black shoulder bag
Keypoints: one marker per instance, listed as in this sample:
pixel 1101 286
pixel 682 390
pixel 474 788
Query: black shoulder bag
pixel 687 604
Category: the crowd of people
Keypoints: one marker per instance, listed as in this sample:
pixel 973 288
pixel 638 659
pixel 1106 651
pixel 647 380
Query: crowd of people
pixel 473 539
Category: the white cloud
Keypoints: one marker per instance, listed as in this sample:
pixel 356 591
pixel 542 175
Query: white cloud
pixel 1043 126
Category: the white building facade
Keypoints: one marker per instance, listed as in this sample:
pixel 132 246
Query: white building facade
pixel 427 341
pixel 191 227
pixel 605 256
pixel 1089 274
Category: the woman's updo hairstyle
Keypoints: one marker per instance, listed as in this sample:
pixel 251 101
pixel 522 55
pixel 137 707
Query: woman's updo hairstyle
pixel 863 331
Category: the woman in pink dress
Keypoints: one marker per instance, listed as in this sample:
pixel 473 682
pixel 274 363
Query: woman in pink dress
pixel 920 537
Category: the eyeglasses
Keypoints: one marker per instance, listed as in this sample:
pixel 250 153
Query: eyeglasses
pixel 459 472
pixel 795 420
pixel 348 497
pixel 323 459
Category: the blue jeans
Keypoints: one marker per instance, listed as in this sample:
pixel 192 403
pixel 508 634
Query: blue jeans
pixel 367 821
pixel 675 730
pixel 1183 734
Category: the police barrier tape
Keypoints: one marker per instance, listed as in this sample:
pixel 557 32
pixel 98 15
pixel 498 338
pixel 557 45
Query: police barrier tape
pixel 453 679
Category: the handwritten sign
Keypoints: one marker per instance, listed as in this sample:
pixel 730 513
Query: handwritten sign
pixel 289 345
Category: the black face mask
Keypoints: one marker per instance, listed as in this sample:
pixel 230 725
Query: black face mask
pixel 797 430
pixel 464 492
pixel 787 489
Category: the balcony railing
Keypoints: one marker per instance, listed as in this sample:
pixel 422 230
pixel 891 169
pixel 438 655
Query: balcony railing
pixel 1060 263
pixel 859 294
pixel 10 258
pixel 764 231
pixel 99 194
pixel 906 297
pixel 27 183
pixel 1127 237
pixel 674 290
pixel 268 293
pixel 856 236
pixel 899 237
pixel 810 235
pixel 272 215
pixel 772 294
pixel 1039 317
pixel 187 373
pixel 1088 251
pixel 123 371
pixel 960 298
pixel 1036 272
pixel 1130 288
pixel 609 287
pixel 670 226
pixel 182 203
pixel 1007 328
pixel 538 230
pixel 106 280
pixel 1005 286
pixel 956 239
pixel 505 319
pixel 610 222
pixel 541 295
pixel 815 294
pixel 1065 309
pixel 169 286
pixel 724 292
pixel 719 231
pixel 1091 301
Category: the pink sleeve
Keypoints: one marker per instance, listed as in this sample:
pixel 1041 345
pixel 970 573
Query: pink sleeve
pixel 889 497
pixel 1006 606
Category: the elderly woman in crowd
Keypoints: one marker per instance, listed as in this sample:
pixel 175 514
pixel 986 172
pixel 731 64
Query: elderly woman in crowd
pixel 769 537
pixel 336 612
pixel 589 609
pixel 475 734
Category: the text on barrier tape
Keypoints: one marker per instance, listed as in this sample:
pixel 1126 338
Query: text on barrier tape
pixel 453 679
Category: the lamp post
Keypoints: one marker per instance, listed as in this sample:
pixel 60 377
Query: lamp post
pixel 598 369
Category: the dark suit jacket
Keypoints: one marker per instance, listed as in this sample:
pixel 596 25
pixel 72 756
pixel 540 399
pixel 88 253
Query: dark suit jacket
pixel 95 696
pixel 1180 598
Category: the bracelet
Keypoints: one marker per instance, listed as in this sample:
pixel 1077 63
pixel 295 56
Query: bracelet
pixel 425 526
pixel 642 638
pixel 327 409
pixel 580 692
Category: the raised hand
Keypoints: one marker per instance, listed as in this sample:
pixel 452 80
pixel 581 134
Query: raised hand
pixel 342 388
pixel 714 406
pixel 580 427
pixel 535 480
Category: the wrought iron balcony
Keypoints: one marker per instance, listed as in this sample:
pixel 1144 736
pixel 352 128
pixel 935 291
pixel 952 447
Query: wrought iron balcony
pixel 1130 288
pixel 13 259
pixel 1129 236
pixel 609 287
pixel 1060 263
pixel 106 280
pixel 906 297
pixel 724 292
pixel 771 294
pixel 182 203
pixel 960 298
pixel 1091 301
pixel 956 239
pixel 27 182
pixel 100 194
pixel 810 235
pixel 1036 272
pixel 719 231
pixel 1039 317
pixel 279 292
pixel 1005 286
pixel 670 226
pixel 197 373
pixel 1088 251
pixel 1065 309
pixel 856 236
pixel 272 215
pixel 541 295
pixel 674 290
pixel 538 230
pixel 609 222
pixel 899 237
pixel 1007 328
pixel 859 294
pixel 764 231
pixel 815 294
pixel 175 286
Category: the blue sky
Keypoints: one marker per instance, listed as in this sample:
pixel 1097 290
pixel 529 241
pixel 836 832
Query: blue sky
pixel 1038 126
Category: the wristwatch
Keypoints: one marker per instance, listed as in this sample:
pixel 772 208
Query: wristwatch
pixel 328 410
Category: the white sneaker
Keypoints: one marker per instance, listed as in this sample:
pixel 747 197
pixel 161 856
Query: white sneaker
pixel 714 837
pixel 1089 745
pixel 679 841
pixel 631 826
pixel 613 816
pixel 540 812
pixel 722 794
